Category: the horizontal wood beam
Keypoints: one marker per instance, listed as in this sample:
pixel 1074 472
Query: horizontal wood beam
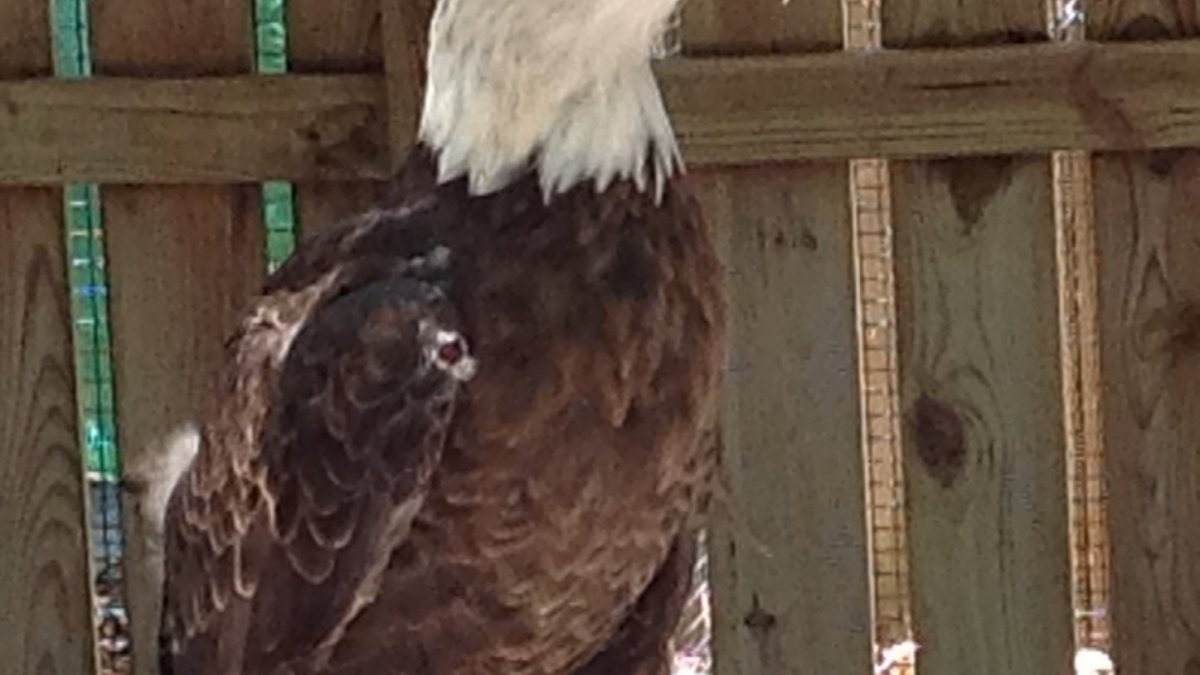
pixel 728 111
pixel 205 130
pixel 931 103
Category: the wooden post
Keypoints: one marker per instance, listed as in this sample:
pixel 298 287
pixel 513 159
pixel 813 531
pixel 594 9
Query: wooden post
pixel 789 547
pixel 405 32
pixel 334 37
pixel 183 261
pixel 354 36
pixel 980 384
pixel 45 609
pixel 1147 206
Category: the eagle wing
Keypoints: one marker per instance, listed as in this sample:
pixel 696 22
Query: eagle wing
pixel 310 474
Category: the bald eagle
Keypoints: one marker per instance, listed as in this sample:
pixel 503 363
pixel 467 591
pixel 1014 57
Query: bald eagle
pixel 470 432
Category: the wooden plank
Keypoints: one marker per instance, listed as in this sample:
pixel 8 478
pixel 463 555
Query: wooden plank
pixel 182 259
pixel 1146 210
pixel 722 27
pixel 182 263
pixel 44 573
pixel 789 550
pixel 789 559
pixel 212 130
pixel 334 37
pixel 342 37
pixel 406 27
pixel 1142 19
pixel 1146 214
pixel 980 386
pixel 728 111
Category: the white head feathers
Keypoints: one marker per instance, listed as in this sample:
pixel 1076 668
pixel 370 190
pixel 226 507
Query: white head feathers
pixel 563 84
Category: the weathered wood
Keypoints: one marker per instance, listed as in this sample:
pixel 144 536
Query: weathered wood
pixel 1146 212
pixel 210 130
pixel 182 262
pixel 341 38
pixel 405 29
pixel 44 571
pixel 1142 19
pixel 728 111
pixel 334 37
pixel 182 259
pixel 952 102
pixel 980 385
pixel 789 550
pixel 44 575
pixel 1146 208
pixel 761 27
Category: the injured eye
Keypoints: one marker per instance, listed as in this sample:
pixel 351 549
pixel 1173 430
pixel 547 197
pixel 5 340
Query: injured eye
pixel 451 352
pixel 447 350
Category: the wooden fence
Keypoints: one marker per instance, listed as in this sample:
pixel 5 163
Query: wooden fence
pixel 967 101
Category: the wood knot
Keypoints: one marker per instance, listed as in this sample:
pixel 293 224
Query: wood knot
pixel 940 438
pixel 1163 162
pixel 783 239
pixel 973 182
pixel 809 240
pixel 758 620
pixel 347 138
pixel 1185 330
pixel 1172 331
pixel 1144 28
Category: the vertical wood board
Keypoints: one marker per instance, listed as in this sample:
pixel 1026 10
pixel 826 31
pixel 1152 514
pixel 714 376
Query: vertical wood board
pixel 183 260
pixel 334 37
pixel 980 395
pixel 1147 210
pixel 789 553
pixel 980 384
pixel 789 548
pixel 406 33
pixel 45 607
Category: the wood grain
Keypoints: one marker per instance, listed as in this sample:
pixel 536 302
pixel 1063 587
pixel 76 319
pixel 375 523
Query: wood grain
pixel 45 605
pixel 789 552
pixel 1146 214
pixel 332 38
pixel 981 399
pixel 183 263
pixel 1147 208
pixel 406 29
pixel 980 385
pixel 761 27
pixel 1142 19
pixel 182 259
pixel 44 575
pixel 729 111
pixel 789 549
pixel 210 130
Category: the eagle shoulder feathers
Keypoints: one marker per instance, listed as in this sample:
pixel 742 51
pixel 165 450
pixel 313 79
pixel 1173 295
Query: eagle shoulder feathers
pixel 344 391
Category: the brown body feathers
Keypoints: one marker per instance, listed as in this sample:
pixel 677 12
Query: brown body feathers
pixel 365 503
